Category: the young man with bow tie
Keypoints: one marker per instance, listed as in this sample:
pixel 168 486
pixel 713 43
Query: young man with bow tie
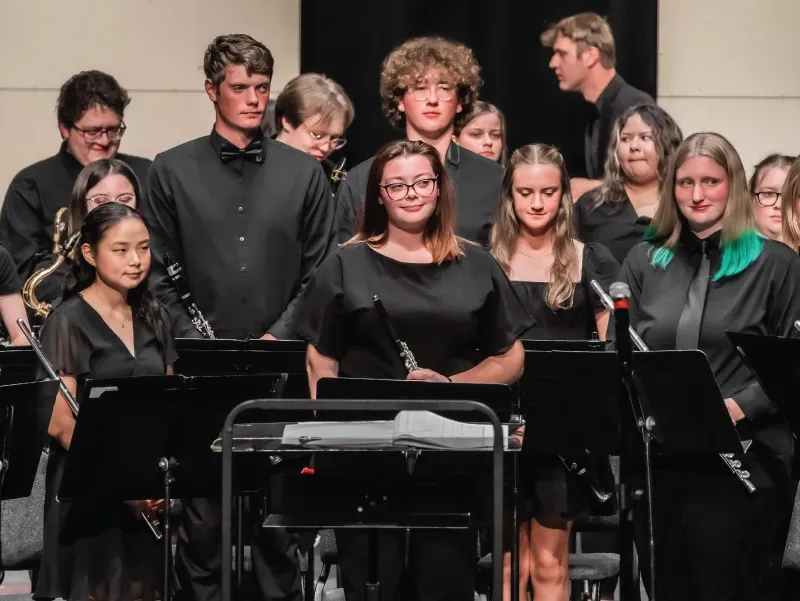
pixel 249 219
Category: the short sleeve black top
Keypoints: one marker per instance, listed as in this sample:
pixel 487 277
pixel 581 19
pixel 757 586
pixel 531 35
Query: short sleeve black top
pixel 578 321
pixel 452 315
pixel 79 343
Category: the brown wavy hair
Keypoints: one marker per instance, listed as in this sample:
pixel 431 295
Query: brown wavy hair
pixel 561 287
pixel 439 235
pixel 408 63
pixel 790 196
pixel 667 137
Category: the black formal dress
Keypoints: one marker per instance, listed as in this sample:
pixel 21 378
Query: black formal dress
pixel 452 316
pixel 32 200
pixel 97 548
pixel 548 493
pixel 617 97
pixel 477 181
pixel 249 227
pixel 616 226
pixel 713 541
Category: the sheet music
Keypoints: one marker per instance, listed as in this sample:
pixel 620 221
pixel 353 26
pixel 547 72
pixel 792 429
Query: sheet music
pixel 424 428
pixel 339 434
pixel 421 429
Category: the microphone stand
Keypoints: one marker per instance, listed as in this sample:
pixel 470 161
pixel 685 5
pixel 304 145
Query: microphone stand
pixel 646 424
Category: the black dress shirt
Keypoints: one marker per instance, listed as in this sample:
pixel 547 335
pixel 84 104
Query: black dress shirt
pixel 616 226
pixel 477 181
pixel 9 280
pixel 33 198
pixel 617 98
pixel 762 299
pixel 248 234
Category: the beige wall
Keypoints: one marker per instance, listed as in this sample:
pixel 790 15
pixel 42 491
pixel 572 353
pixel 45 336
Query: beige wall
pixel 153 47
pixel 731 66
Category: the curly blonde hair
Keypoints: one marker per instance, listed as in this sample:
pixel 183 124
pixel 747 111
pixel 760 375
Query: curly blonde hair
pixel 408 63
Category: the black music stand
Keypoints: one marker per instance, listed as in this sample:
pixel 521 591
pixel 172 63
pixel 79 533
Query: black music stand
pixel 530 344
pixel 576 406
pixel 201 356
pixel 18 364
pixel 271 443
pixel 25 411
pixel 150 437
pixel 775 362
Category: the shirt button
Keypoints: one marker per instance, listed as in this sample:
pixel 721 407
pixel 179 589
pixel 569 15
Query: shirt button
pixel 241 209
pixel 239 179
pixel 241 238
pixel 244 268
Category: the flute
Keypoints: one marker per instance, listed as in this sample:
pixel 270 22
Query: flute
pixel 734 465
pixel 152 523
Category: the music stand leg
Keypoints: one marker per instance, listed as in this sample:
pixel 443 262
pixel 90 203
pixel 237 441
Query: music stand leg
pixel 373 585
pixel 239 545
pixel 166 466
pixel 651 543
pixel 515 592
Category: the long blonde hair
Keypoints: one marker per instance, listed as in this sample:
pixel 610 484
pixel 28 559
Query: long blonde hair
pixel 561 286
pixel 789 198
pixel 740 243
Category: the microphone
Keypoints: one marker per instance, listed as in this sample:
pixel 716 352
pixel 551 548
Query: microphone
pixel 621 294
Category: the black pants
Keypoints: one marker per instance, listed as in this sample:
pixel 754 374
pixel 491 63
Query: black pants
pixel 198 557
pixel 441 564
pixel 714 542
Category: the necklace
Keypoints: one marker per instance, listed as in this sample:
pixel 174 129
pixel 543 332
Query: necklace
pixel 536 257
pixel 115 318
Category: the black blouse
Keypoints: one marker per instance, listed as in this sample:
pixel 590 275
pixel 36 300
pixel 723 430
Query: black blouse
pixel 452 315
pixel 87 540
pixel 762 299
pixel 578 321
pixel 616 226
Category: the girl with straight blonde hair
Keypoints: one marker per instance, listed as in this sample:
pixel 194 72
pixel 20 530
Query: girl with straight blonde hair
pixel 550 270
pixel 704 271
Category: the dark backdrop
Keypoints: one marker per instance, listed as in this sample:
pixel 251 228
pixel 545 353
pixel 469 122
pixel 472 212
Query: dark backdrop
pixel 347 41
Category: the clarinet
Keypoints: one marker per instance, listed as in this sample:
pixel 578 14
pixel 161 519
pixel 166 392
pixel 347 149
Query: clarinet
pixel 734 465
pixel 405 353
pixel 152 523
pixel 175 271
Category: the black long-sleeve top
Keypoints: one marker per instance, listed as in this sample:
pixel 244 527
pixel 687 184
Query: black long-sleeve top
pixel 477 181
pixel 762 299
pixel 33 198
pixel 248 234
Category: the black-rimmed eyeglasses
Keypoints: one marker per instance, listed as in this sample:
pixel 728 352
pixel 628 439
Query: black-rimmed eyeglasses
pixel 399 190
pixel 767 198
pixel 93 134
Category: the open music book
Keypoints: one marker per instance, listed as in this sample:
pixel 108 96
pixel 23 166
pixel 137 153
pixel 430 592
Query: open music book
pixel 417 429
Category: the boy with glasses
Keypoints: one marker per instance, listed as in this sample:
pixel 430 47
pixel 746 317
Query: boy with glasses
pixel 91 106
pixel 425 83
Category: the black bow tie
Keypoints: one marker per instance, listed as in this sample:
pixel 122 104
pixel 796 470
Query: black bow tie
pixel 254 152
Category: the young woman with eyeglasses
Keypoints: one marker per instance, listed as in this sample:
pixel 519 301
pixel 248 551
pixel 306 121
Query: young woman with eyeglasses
pixel 766 185
pixel 448 300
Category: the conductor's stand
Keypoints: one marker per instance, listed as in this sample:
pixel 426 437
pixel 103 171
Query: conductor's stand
pixel 358 484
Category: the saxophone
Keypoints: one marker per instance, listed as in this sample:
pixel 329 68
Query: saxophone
pixel 40 308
